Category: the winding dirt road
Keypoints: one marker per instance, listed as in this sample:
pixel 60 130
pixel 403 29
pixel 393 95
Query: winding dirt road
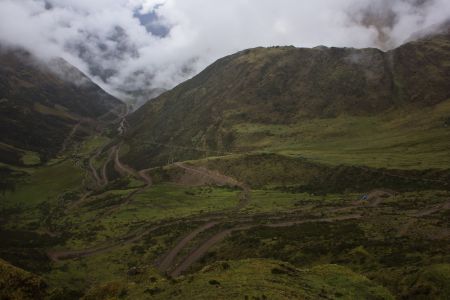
pixel 170 256
pixel 221 180
pixel 198 253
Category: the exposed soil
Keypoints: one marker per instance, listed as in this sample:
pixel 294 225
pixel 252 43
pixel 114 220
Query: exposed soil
pixel 166 263
pixel 198 253
pixel 201 176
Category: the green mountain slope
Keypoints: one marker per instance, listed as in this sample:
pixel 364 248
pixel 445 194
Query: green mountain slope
pixel 280 173
pixel 40 105
pixel 356 106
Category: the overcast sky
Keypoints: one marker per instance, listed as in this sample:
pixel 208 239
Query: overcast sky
pixel 134 45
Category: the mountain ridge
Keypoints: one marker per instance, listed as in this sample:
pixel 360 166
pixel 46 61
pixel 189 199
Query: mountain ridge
pixel 40 104
pixel 287 85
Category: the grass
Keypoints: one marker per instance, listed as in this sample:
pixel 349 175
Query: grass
pixel 16 283
pixel 372 245
pixel 45 187
pixel 88 226
pixel 92 144
pixel 57 112
pixel 268 279
pixel 278 201
pixel 31 158
pixel 415 139
pixel 169 201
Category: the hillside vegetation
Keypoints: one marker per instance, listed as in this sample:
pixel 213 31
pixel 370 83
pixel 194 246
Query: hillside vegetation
pixel 40 105
pixel 277 173
pixel 334 105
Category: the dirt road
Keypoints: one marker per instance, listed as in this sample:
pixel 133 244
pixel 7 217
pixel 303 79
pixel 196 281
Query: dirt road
pixel 198 253
pixel 170 256
pixel 220 180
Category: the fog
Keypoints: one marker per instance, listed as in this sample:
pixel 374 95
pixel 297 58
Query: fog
pixel 136 48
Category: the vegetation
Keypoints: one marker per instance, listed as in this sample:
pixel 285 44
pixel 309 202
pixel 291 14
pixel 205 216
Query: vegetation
pixel 256 179
pixel 17 284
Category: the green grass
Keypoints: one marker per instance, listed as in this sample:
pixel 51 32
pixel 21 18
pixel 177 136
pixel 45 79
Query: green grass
pixel 278 201
pixel 160 202
pixel 92 144
pixel 31 158
pixel 16 283
pixel 268 279
pixel 44 186
pixel 169 202
pixel 415 139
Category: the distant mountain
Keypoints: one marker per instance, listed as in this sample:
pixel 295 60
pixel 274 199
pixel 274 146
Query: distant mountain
pixel 40 104
pixel 284 86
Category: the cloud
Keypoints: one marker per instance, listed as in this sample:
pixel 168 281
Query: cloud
pixel 135 47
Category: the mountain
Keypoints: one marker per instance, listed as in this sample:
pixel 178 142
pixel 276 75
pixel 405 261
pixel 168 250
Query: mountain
pixel 41 103
pixel 295 98
pixel 277 173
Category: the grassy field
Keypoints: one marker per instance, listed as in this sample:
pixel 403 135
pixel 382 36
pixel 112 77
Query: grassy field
pixel 43 189
pixel 261 279
pixel 416 139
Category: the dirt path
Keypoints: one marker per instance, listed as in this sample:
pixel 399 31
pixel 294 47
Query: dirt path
pixel 375 197
pixel 123 169
pixel 71 254
pixel 97 179
pixel 405 228
pixel 104 172
pixel 198 253
pixel 79 201
pixel 221 180
pixel 144 175
pixel 434 209
pixel 170 256
pixel 69 137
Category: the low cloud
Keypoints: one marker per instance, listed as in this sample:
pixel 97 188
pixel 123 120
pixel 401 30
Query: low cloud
pixel 136 48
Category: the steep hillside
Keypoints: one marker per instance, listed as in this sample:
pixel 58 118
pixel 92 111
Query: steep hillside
pixel 40 104
pixel 16 283
pixel 309 99
pixel 254 279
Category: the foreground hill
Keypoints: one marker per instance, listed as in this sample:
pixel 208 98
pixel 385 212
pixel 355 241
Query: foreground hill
pixel 342 104
pixel 254 279
pixel 40 104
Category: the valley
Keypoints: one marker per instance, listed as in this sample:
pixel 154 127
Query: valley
pixel 262 189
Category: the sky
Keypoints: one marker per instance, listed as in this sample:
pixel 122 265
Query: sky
pixel 136 48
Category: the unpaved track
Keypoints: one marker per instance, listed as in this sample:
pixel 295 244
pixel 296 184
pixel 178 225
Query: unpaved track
pixel 125 170
pixel 79 201
pixel 375 197
pixel 98 180
pixel 221 180
pixel 69 137
pixel 144 175
pixel 433 209
pixel 104 172
pixel 170 256
pixel 198 253
pixel 133 237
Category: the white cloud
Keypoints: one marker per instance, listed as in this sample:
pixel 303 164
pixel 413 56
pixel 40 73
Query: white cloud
pixel 132 45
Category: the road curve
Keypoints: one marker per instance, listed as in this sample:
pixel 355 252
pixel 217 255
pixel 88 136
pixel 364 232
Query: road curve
pixel 198 253
pixel 165 264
